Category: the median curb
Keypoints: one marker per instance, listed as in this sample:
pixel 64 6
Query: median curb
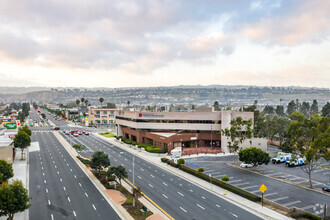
pixel 279 179
pixel 239 201
pixel 122 213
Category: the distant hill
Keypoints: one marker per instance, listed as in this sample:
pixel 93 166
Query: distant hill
pixel 40 96
pixel 20 90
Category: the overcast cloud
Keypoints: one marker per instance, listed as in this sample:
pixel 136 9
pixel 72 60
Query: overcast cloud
pixel 164 42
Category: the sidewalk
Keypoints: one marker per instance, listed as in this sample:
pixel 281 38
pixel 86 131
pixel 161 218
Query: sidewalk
pixel 21 172
pixel 248 205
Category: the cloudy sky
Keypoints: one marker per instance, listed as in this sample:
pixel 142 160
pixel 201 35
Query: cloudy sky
pixel 102 43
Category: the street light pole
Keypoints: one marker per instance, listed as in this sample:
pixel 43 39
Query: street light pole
pixel 211 181
pixel 211 137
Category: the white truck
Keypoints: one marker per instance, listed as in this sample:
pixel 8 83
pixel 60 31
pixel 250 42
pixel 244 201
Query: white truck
pixel 281 158
pixel 297 162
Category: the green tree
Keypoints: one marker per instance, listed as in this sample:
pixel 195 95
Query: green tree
pixel 21 117
pixel 314 108
pixel 239 131
pixel 26 129
pixel 305 108
pixel 269 110
pixel 291 107
pixel 14 198
pixel 326 110
pixel 120 173
pixel 254 156
pixel 128 103
pixel 111 105
pixel 279 110
pixel 82 100
pixel 216 106
pixel 99 161
pixel 307 136
pixel 6 171
pixel 86 102
pixel 77 102
pixel 200 170
pixel 101 100
pixel 181 161
pixel 78 147
pixel 43 115
pixel 22 140
pixel 111 171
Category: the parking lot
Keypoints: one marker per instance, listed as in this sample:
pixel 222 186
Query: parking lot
pixel 278 191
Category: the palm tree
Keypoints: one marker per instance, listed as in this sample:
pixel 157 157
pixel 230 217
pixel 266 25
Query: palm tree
pixel 82 101
pixel 86 102
pixel 77 102
pixel 101 100
pixel 128 103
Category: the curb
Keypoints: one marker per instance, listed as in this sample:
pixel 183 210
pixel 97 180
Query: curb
pixel 27 213
pixel 282 180
pixel 164 166
pixel 122 213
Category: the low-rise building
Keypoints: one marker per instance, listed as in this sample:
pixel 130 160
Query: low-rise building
pixel 169 130
pixel 102 116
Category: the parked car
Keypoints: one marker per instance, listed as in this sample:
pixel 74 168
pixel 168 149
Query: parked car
pixel 246 165
pixel 326 187
pixel 86 133
pixel 281 158
pixel 296 162
pixel 57 128
pixel 67 132
pixel 76 134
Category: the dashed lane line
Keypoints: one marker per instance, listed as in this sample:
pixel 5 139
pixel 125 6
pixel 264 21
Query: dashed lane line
pixel 200 206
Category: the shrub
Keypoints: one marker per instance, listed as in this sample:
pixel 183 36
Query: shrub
pixel 164 160
pixel 200 170
pixel 108 186
pixel 133 143
pixel 311 216
pixel 225 178
pixel 181 161
pixel 84 161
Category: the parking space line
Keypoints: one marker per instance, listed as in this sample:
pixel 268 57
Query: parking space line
pixel 301 181
pixel 280 198
pixel 248 187
pixel 235 181
pixel 270 194
pixel 294 178
pixel 255 191
pixel 241 184
pixel 316 171
pixel 307 207
pixel 291 203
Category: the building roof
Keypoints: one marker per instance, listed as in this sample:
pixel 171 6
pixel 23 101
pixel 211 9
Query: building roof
pixel 163 134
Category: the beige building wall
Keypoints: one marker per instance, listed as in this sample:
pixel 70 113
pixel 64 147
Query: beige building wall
pixel 6 153
pixel 102 115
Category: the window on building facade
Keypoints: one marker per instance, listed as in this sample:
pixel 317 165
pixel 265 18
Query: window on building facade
pixel 97 112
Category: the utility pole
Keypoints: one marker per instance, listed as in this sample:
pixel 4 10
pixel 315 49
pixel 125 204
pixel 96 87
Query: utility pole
pixel 211 137
pixel 133 184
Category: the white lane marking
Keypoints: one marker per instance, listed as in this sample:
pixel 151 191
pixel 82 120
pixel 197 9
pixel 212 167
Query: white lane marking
pixel 141 169
pixel 69 199
pixel 307 207
pixel 51 215
pixel 165 184
pixel 55 167
pixel 255 191
pixel 191 190
pixel 74 213
pixel 217 205
pixel 67 164
pixel 316 171
pixel 42 168
pixel 129 170
pixel 46 190
pixel 61 179
pixel 94 207
pixel 43 174
pixel 151 186
pixel 125 159
pixel 233 214
pixel 235 181
pixel 71 170
pixel 241 184
pixel 291 203
pixel 270 194
pixel 86 194
pixel 249 187
pixel 48 202
pixel 171 179
pixel 152 176
pixel 79 184
pixel 281 198
pixel 75 176
pixel 140 177
pixel 58 172
pixel 45 181
pixel 200 206
pixel 183 209
pixel 180 184
pixel 165 196
pixel 180 194
pixel 64 188
pixel 203 197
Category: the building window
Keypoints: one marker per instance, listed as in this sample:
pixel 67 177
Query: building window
pixel 104 112
pixel 158 144
pixel 97 112
pixel 97 116
pixel 112 116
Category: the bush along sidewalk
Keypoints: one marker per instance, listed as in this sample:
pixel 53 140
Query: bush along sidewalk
pixel 234 189
pixel 148 147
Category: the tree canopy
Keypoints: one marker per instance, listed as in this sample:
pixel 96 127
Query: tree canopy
pixel 14 198
pixel 22 140
pixel 99 161
pixel 26 129
pixel 6 171
pixel 254 156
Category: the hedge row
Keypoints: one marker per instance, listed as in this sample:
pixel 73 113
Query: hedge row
pixel 215 181
pixel 84 161
pixel 148 147
pixel 311 216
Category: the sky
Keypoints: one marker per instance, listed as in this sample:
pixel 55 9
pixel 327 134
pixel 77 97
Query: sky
pixel 147 43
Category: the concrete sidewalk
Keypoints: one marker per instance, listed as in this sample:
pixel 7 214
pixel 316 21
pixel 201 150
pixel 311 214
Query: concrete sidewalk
pixel 21 172
pixel 248 205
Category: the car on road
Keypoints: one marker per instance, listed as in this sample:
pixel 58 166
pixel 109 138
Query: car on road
pixel 57 128
pixel 76 134
pixel 281 158
pixel 246 165
pixel 67 132
pixel 326 187
pixel 296 162
pixel 86 133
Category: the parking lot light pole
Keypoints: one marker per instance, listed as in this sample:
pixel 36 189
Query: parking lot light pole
pixel 133 184
pixel 211 181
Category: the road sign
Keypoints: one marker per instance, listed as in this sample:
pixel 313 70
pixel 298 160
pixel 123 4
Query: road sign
pixel 11 125
pixel 262 188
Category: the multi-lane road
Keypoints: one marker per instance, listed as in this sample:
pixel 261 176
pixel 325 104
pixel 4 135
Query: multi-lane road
pixel 179 198
pixel 58 186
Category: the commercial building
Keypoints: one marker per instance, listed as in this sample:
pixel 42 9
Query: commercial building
pixel 190 130
pixel 102 116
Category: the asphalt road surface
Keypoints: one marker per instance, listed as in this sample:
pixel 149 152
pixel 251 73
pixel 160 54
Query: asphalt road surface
pixel 178 197
pixel 283 193
pixel 58 186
